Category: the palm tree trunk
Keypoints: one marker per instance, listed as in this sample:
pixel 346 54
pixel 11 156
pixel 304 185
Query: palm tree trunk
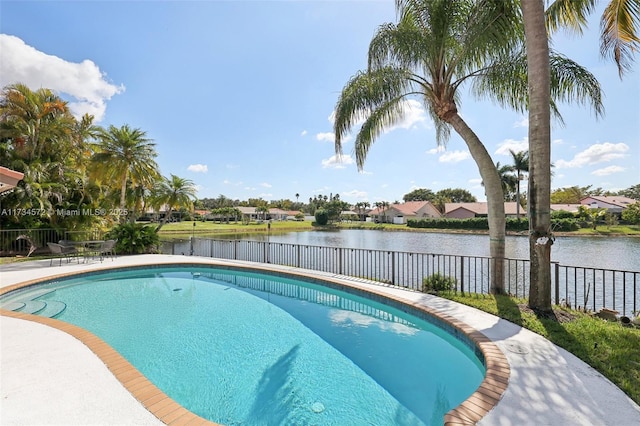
pixel 518 195
pixel 495 199
pixel 540 238
pixel 123 190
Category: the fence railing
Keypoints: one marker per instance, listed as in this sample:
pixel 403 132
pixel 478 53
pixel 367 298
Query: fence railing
pixel 21 241
pixel 574 286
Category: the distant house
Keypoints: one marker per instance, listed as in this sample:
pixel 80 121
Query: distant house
pixel 291 214
pixel 469 210
pixel 278 214
pixel 249 214
pixel 203 214
pixel 9 179
pixel 400 213
pixel 571 208
pixel 613 204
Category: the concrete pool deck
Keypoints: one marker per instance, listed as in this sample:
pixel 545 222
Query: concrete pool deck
pixel 49 377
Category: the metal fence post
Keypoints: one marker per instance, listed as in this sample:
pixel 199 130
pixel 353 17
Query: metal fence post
pixel 462 275
pixel 557 283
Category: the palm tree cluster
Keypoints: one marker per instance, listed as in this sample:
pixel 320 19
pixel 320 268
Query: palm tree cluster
pixel 437 48
pixel 99 176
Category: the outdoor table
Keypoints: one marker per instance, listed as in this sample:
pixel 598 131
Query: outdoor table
pixel 90 248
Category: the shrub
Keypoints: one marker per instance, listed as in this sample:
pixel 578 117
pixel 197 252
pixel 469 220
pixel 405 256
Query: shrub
pixel 562 214
pixel 135 238
pixel 632 214
pixel 322 217
pixel 564 225
pixel 437 283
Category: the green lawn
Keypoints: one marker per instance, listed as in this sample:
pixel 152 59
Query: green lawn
pixel 185 229
pixel 609 347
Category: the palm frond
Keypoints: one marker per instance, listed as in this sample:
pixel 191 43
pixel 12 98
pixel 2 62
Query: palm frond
pixel 506 84
pixel 382 117
pixel 364 93
pixel 571 82
pixel 569 14
pixel 619 38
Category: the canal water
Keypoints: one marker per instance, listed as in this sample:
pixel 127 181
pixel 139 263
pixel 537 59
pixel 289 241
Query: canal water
pixel 582 280
pixel 620 253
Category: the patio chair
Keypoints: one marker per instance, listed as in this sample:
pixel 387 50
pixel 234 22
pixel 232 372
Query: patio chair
pixel 108 248
pixel 69 247
pixel 60 252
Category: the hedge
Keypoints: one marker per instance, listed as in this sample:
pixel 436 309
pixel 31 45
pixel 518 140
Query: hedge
pixel 482 223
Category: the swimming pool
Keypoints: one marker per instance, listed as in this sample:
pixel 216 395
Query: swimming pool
pixel 246 348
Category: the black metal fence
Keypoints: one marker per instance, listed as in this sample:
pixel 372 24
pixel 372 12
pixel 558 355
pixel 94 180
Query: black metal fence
pixel 24 241
pixel 574 286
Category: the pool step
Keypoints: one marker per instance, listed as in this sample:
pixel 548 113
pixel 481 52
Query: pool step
pixel 48 308
pixel 12 306
pixel 33 306
pixel 53 309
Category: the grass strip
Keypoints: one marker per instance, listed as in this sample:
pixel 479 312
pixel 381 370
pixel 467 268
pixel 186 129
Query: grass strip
pixel 609 347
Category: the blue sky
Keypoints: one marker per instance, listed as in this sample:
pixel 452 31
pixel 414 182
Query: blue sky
pixel 238 96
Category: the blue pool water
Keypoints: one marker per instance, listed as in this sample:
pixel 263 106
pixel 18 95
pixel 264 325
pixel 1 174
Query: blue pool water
pixel 242 348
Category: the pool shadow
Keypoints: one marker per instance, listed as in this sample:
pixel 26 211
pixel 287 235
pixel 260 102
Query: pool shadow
pixel 275 393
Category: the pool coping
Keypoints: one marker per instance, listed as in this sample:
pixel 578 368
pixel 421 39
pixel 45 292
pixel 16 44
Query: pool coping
pixel 471 411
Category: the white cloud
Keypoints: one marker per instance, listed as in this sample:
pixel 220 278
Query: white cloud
pixel 360 195
pixel 337 162
pixel 524 122
pixel 557 142
pixel 437 150
pixel 598 153
pixel 326 137
pixel 304 133
pixel 513 145
pixel 454 156
pixel 83 82
pixel 608 171
pixel 265 185
pixel 413 113
pixel 198 168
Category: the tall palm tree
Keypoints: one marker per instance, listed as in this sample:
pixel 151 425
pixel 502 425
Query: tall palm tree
pixel 173 193
pixel 539 88
pixel 619 39
pixel 520 164
pixel 262 211
pixel 125 156
pixel 619 24
pixel 36 122
pixel 436 47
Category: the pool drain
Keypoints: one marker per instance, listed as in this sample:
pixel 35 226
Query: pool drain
pixel 317 407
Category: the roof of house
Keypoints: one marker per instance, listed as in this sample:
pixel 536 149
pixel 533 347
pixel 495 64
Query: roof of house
pixel 9 178
pixel 409 208
pixel 510 208
pixel 566 207
pixel 616 200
